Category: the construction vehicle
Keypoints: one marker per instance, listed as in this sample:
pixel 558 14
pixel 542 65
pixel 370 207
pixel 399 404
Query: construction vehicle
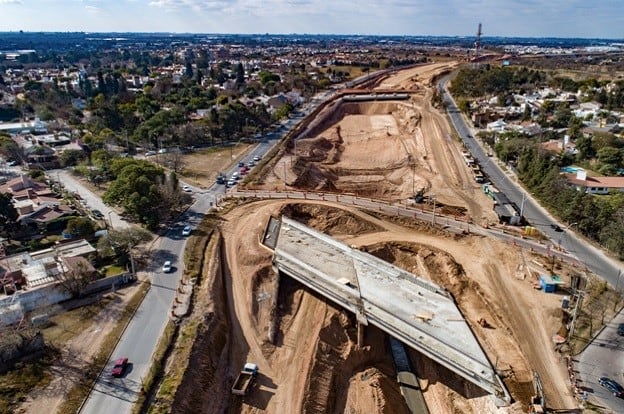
pixel 419 196
pixel 245 379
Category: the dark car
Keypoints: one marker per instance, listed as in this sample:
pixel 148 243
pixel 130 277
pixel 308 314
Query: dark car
pixel 120 367
pixel 621 329
pixel 556 227
pixel 613 387
pixel 97 214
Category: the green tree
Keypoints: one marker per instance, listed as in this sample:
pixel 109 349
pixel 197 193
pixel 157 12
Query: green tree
pixel 610 155
pixel 8 214
pixel 9 148
pixel 585 148
pixel 240 75
pixel 80 227
pixel 612 235
pixel 122 241
pixel 71 157
pixel 136 189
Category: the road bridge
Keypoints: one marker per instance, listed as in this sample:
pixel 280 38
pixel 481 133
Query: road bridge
pixel 416 311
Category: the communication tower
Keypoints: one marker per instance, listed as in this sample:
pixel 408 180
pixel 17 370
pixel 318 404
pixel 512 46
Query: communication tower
pixel 477 43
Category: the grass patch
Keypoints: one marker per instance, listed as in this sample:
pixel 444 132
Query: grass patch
pixel 114 270
pixel 25 376
pixel 599 305
pixel 66 325
pixel 77 394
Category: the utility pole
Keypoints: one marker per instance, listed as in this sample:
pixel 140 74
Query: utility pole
pixel 579 298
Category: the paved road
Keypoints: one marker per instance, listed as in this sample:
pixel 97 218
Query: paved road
pixel 139 340
pixel 603 357
pixel 593 258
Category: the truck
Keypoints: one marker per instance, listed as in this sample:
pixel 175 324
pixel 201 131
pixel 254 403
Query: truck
pixel 245 379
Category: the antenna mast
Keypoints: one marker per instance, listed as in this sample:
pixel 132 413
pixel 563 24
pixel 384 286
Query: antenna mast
pixel 477 43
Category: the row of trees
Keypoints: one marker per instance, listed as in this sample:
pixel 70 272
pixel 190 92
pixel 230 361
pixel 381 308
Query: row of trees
pixel 599 218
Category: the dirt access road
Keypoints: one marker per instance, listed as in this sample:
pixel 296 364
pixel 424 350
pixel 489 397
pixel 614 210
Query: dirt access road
pixel 304 346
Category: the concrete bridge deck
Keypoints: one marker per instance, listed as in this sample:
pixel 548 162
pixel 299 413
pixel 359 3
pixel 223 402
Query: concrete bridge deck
pixel 421 314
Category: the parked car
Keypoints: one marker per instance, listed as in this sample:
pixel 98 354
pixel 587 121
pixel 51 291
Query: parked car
pixel 97 213
pixel 621 329
pixel 231 183
pixel 186 230
pixel 150 153
pixel 241 164
pixel 119 367
pixel 556 227
pixel 256 158
pixel 613 387
pixel 187 189
pixel 166 267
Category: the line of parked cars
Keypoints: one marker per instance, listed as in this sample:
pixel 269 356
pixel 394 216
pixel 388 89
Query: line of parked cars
pixel 613 387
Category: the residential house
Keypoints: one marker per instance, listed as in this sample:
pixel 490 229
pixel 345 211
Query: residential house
pixel 594 185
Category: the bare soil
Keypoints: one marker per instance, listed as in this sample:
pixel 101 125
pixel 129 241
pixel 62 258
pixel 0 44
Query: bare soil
pixel 200 168
pixel 385 150
pixel 305 347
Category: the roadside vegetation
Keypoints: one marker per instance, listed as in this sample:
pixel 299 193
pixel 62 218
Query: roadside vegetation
pixel 19 378
pixel 173 353
pixel 84 382
pixel 599 218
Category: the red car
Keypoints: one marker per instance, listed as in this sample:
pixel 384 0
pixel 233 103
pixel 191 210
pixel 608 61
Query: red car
pixel 120 367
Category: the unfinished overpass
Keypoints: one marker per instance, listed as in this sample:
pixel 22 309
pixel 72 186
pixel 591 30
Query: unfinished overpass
pixel 419 313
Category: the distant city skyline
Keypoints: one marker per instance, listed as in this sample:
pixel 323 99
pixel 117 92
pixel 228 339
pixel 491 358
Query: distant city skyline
pixel 521 18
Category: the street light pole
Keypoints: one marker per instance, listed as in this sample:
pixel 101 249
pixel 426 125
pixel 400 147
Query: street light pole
pixel 110 219
pixel 434 207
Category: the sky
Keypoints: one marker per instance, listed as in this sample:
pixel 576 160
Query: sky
pixel 523 18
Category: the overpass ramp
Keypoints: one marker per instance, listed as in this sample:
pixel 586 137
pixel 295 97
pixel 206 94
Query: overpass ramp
pixel 416 311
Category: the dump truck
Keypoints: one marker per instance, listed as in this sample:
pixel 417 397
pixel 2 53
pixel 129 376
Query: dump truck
pixel 245 379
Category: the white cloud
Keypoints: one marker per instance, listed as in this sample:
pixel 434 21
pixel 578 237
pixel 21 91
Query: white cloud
pixel 10 1
pixel 93 9
pixel 197 5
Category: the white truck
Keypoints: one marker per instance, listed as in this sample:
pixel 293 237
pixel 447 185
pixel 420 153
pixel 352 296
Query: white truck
pixel 245 379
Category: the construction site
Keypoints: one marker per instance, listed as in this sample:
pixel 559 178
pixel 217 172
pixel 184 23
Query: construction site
pixel 315 356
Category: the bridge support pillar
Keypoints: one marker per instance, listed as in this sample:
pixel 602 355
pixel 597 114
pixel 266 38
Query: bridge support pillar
pixel 360 335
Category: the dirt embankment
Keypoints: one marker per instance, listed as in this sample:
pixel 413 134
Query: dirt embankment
pixel 306 348
pixel 208 374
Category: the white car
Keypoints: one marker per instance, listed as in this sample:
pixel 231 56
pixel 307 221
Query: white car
pixel 166 267
pixel 186 230
pixel 187 189
pixel 256 158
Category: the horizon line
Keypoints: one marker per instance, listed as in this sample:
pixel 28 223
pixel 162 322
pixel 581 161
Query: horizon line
pixel 306 34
